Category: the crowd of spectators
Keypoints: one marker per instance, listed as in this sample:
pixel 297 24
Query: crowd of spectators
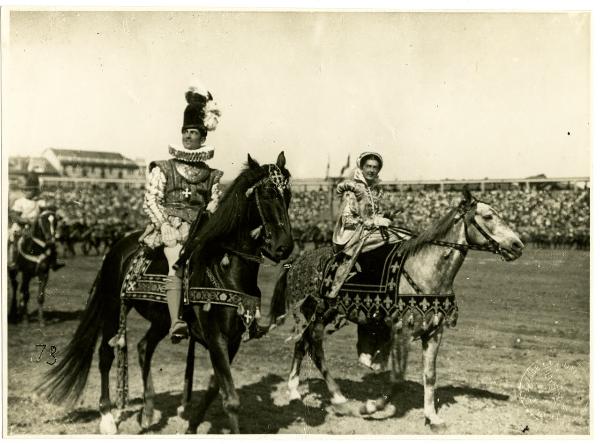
pixel 542 217
pixel 90 204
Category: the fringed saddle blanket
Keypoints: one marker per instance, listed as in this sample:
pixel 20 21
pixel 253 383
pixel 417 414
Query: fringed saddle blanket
pixel 145 280
pixel 370 295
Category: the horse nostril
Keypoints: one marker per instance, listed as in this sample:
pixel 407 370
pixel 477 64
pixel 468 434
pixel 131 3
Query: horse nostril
pixel 516 245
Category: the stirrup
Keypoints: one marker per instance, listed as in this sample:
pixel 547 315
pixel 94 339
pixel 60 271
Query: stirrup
pixel 178 331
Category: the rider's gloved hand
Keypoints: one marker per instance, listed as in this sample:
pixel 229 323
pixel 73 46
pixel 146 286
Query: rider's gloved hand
pixel 381 221
pixel 168 234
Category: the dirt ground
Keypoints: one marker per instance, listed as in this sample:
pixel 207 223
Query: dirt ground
pixel 516 363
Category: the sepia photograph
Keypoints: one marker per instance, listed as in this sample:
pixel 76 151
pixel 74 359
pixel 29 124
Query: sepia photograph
pixel 311 222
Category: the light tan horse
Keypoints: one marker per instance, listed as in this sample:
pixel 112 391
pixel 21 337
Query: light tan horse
pixel 430 263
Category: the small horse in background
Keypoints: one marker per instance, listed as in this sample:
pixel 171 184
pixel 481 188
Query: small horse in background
pixel 423 270
pixel 250 221
pixel 34 248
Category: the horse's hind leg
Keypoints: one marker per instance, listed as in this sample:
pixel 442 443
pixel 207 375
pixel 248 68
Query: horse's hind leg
pixel 294 377
pixel 146 348
pixel 42 282
pixel 430 351
pixel 399 357
pixel 317 354
pixel 108 426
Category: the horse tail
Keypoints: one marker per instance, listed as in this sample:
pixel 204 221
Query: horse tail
pixel 278 308
pixel 67 379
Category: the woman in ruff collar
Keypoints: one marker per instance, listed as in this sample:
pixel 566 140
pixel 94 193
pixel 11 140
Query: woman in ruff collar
pixel 180 188
pixel 361 227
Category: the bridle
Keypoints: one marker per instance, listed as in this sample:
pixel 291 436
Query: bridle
pixel 274 179
pixel 467 215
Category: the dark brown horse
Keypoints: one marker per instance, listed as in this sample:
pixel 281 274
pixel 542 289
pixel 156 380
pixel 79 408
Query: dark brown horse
pixel 258 197
pixel 33 259
pixel 422 285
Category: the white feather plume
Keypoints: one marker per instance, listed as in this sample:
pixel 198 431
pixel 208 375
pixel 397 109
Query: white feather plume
pixel 211 115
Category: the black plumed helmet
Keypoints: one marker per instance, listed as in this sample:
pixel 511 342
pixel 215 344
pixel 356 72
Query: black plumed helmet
pixel 197 114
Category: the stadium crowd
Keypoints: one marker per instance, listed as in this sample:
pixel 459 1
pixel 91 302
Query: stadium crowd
pixel 542 217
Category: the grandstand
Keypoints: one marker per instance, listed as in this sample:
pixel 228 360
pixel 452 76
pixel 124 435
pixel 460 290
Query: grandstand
pixel 544 211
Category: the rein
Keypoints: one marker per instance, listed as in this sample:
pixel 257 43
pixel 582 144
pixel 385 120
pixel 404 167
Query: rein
pixel 492 245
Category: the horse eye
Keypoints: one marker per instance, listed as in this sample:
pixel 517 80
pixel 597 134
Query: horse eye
pixel 488 216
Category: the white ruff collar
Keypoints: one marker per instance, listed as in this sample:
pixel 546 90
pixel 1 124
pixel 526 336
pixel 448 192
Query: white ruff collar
pixel 202 154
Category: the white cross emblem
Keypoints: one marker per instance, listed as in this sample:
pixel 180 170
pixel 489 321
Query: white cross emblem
pixel 424 304
pixel 187 193
pixel 387 301
pixel 395 267
pixel 248 317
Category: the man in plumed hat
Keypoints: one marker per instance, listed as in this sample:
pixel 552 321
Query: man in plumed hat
pixel 180 188
pixel 362 227
pixel 22 215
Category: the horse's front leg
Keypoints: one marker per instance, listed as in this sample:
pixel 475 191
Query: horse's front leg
pixel 219 356
pixel 23 306
pixel 13 315
pixel 188 381
pixel 42 282
pixel 318 356
pixel 431 346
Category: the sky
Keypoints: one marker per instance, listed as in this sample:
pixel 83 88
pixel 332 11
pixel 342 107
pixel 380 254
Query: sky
pixel 439 95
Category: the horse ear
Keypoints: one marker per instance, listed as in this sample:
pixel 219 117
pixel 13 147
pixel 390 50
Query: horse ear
pixel 252 163
pixel 281 160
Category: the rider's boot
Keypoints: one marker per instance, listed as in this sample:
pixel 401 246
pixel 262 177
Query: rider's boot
pixel 178 330
pixel 342 273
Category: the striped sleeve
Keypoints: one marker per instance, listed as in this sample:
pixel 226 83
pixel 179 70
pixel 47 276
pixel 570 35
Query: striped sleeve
pixel 154 197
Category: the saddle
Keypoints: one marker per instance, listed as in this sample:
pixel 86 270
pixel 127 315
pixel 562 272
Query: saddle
pixel 371 295
pixel 145 280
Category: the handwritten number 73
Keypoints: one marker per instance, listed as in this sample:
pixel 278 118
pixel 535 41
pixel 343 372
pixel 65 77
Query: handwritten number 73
pixel 41 348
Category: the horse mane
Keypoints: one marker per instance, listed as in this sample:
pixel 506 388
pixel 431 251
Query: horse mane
pixel 231 208
pixel 436 230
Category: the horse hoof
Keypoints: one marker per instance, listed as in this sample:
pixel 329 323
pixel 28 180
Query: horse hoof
pixel 108 426
pixel 148 421
pixel 369 407
pixel 435 422
pixel 182 412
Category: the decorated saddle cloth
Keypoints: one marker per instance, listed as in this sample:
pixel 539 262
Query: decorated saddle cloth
pixel 371 294
pixel 146 276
